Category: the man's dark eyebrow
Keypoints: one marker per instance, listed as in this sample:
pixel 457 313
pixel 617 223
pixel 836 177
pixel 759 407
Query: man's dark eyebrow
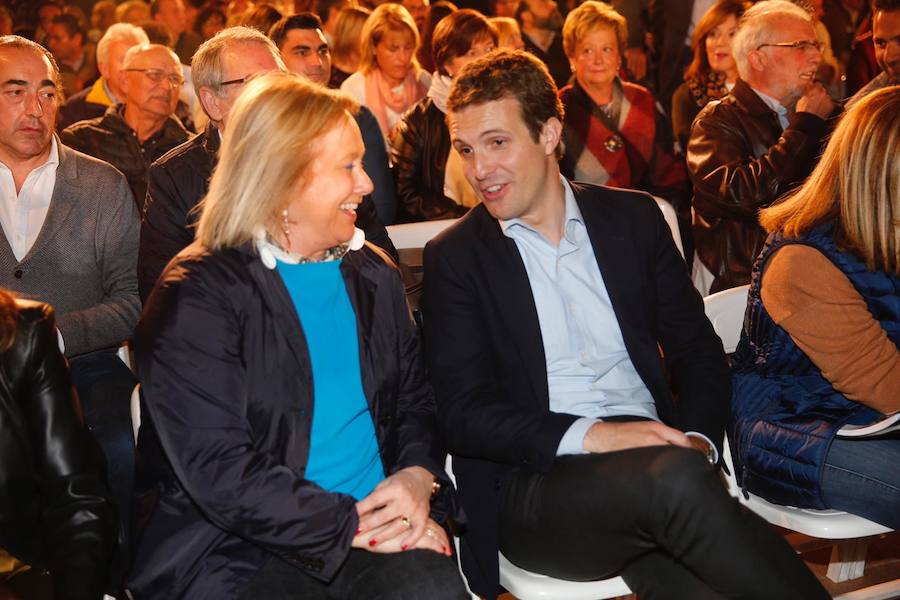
pixel 44 83
pixel 300 47
pixel 48 83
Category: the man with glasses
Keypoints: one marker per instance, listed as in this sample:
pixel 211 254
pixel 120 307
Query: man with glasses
pixel 131 135
pixel 758 142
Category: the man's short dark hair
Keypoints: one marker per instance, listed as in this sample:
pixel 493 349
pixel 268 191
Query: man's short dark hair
pixel 885 5
pixel 509 74
pixel 455 34
pixel 158 33
pixel 304 20
pixel 70 24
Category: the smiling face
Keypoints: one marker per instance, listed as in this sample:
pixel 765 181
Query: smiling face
pixel 306 53
pixel 786 73
pixel 886 37
pixel 718 47
pixel 510 172
pixel 28 106
pixel 597 59
pixel 322 213
pixel 394 54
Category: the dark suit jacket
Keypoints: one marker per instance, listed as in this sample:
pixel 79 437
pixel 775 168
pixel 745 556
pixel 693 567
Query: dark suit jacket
pixel 227 404
pixel 484 349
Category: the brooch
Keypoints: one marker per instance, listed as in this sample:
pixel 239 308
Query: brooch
pixel 615 143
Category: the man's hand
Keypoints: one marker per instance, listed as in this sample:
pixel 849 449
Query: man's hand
pixel 816 100
pixel 398 507
pixel 610 437
pixel 636 60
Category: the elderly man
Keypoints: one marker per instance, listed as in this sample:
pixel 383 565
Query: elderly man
pixel 180 179
pixel 70 229
pixel 760 141
pixel 546 310
pixel 301 40
pixel 69 44
pixel 886 38
pixel 93 101
pixel 133 134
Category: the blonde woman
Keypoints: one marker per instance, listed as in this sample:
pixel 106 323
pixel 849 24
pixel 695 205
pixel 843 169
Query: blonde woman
pixel 821 336
pixel 345 47
pixel 389 79
pixel 508 32
pixel 278 312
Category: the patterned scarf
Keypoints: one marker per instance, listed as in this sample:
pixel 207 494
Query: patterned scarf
pixel 380 96
pixel 705 89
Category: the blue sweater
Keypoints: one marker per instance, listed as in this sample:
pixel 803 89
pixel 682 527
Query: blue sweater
pixel 343 454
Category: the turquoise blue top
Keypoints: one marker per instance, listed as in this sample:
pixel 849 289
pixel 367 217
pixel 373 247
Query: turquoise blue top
pixel 343 453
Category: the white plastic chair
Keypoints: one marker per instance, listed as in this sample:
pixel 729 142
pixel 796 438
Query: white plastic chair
pixel 136 411
pixel 416 235
pixel 725 311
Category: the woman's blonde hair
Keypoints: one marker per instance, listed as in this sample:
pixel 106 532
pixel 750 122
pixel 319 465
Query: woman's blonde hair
pixel 347 33
pixel 856 183
pixel 586 18
pixel 387 17
pixel 270 144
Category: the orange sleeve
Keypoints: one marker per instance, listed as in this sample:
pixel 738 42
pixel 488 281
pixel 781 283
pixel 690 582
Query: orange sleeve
pixel 808 296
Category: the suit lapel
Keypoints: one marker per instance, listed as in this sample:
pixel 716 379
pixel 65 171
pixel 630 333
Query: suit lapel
pixel 507 281
pixel 67 191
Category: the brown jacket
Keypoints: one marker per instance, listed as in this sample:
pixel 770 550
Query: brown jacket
pixel 740 161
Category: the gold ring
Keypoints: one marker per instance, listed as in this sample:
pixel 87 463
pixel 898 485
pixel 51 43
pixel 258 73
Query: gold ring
pixel 406 522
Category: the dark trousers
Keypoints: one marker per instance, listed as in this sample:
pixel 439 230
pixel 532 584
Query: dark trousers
pixel 104 385
pixel 658 516
pixel 411 575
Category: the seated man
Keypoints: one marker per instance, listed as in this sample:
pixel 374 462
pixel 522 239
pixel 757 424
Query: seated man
pixel 886 39
pixel 70 233
pixel 301 40
pixel 760 141
pixel 131 135
pixel 180 179
pixel 546 307
pixel 74 54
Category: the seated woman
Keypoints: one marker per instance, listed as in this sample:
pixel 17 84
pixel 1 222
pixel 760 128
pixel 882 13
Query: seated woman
pixel 55 509
pixel 614 133
pixel 345 46
pixel 712 72
pixel 820 343
pixel 429 176
pixel 287 446
pixel 389 79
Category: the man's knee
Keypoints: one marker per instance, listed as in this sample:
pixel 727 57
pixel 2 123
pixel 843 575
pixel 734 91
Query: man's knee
pixel 430 575
pixel 682 473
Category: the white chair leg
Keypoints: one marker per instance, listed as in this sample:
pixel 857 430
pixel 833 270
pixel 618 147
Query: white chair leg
pixel 848 560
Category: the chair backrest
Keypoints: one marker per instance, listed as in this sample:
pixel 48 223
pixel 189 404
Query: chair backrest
pixel 416 235
pixel 725 311
pixel 672 220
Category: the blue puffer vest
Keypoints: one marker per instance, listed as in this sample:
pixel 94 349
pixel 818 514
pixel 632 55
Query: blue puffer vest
pixel 784 412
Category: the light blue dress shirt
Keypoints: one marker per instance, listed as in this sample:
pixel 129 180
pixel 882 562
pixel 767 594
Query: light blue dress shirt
pixel 776 106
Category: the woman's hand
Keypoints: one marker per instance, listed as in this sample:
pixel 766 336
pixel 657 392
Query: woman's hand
pixel 397 509
pixel 434 539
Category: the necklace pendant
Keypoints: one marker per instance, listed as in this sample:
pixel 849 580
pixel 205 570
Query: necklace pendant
pixel 614 143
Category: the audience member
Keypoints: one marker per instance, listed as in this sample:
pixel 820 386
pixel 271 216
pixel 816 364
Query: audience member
pixel 46 12
pixel 508 33
pixel 614 133
pixel 92 102
pixel 262 17
pixel 133 134
pixel 712 72
pixel 56 512
pixel 209 22
pixel 305 52
pixel 541 24
pixel 436 12
pixel 418 10
pixel 389 79
pixel 238 473
pixel 547 309
pixel 76 57
pixel 328 11
pixel 103 16
pixel 71 233
pixel 171 13
pixel 821 340
pixel 504 8
pixel 345 49
pixel 429 173
pixel 760 141
pixel 133 11
pixel 886 39
pixel 843 19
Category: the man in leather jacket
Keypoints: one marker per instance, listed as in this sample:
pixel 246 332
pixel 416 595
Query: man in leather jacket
pixel 760 141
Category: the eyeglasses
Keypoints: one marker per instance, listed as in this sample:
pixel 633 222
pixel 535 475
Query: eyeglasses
pixel 802 45
pixel 242 80
pixel 157 76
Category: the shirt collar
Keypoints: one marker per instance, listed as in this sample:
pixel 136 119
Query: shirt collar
pixel 772 103
pixel 571 220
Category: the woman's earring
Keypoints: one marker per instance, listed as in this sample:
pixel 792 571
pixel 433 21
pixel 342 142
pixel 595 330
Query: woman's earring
pixel 286 227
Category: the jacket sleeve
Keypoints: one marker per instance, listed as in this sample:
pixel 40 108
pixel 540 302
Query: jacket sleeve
pixel 375 161
pixel 111 321
pixel 195 384
pixel 81 523
pixel 475 413
pixel 165 228
pixel 730 182
pixel 417 188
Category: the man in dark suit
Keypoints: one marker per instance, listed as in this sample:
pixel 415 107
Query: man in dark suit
pixel 547 308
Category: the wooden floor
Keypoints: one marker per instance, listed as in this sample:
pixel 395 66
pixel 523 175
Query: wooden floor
pixel 882 562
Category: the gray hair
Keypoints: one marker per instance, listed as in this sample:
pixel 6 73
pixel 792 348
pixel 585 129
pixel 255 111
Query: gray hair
pixel 756 27
pixel 119 32
pixel 206 65
pixel 135 50
pixel 17 42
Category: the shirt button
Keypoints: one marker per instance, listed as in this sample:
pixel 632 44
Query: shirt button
pixel 18 274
